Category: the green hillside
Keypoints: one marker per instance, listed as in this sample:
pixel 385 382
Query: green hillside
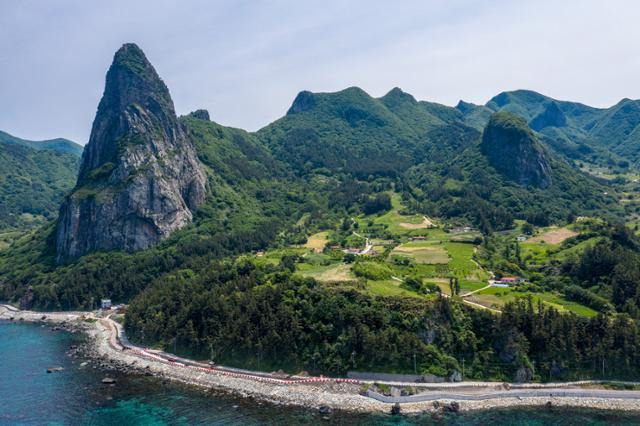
pixel 58 145
pixel 580 132
pixel 33 183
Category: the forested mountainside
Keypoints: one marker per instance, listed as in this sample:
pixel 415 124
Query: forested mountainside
pixel 600 135
pixel 34 178
pixel 58 145
pixel 338 227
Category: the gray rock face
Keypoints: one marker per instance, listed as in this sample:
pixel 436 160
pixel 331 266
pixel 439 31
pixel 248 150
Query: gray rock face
pixel 140 179
pixel 552 116
pixel 514 151
pixel 201 114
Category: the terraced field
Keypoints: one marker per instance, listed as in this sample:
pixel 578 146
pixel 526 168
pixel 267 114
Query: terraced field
pixel 425 252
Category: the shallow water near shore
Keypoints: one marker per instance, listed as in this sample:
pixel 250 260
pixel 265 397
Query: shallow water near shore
pixel 75 396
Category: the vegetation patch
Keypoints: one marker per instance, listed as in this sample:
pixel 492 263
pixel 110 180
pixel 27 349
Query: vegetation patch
pixel 554 236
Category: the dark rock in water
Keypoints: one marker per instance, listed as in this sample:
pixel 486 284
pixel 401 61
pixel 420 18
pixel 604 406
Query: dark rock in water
pixel 54 369
pixel 395 409
pixel 109 381
pixel 201 114
pixel 514 151
pixel 324 410
pixel 140 178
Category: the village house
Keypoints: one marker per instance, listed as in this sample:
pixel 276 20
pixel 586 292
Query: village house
pixel 506 281
pixel 105 304
pixel 521 238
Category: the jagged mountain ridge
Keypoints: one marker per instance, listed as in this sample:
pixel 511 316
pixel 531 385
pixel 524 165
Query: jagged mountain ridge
pixel 573 129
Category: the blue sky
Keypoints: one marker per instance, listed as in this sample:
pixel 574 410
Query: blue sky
pixel 245 61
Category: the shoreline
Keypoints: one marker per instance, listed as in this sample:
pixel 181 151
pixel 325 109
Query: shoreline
pixel 321 393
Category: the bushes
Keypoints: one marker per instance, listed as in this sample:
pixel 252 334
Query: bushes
pixel 584 296
pixel 372 271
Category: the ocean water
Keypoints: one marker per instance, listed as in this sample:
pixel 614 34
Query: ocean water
pixel 75 396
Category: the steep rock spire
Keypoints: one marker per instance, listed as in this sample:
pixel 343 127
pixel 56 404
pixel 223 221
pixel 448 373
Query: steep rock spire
pixel 140 178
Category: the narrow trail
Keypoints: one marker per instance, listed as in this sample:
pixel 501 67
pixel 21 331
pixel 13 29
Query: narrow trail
pixel 475 291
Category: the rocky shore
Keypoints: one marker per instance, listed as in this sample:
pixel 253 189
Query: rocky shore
pixel 102 351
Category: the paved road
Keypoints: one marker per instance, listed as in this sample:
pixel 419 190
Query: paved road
pixel 520 393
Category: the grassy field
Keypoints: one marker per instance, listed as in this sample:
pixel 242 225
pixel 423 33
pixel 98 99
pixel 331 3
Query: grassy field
pixel 400 224
pixel 553 236
pixel 496 297
pixel 327 273
pixel 425 252
pixel 389 288
pixel 316 242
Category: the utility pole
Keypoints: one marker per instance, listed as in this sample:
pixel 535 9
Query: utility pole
pixel 462 368
pixel 602 367
pixel 415 366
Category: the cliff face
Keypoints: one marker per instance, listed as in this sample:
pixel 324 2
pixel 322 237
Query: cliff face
pixel 513 150
pixel 140 178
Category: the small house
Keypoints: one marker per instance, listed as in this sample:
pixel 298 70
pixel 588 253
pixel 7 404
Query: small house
pixel 105 304
pixel 418 238
pixel 521 238
pixel 507 281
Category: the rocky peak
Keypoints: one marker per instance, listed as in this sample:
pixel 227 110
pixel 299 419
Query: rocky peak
pixel 140 178
pixel 305 101
pixel 201 114
pixel 514 151
pixel 552 116
pixel 397 96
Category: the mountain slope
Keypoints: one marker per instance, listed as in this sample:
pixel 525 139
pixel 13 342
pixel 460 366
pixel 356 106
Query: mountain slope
pixel 58 145
pixel 513 150
pixel 578 131
pixel 32 184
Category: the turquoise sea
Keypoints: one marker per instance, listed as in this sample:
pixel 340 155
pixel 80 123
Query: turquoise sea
pixel 75 396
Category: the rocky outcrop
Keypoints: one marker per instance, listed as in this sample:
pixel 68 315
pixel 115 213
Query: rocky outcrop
pixel 514 151
pixel 305 101
pixel 140 179
pixel 552 116
pixel 201 114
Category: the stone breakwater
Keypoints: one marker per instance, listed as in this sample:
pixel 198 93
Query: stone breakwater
pixel 105 351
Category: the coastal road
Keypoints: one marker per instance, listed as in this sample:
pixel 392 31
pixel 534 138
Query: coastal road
pixel 519 393
pixel 112 336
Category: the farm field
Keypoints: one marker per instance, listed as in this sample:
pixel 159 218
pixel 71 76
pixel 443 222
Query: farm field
pixel 425 252
pixel 434 255
pixel 316 242
pixel 495 297
pixel 328 273
pixel 553 236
